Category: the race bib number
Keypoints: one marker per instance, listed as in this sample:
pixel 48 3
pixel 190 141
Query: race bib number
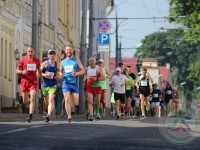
pixel 69 68
pixel 169 92
pixel 91 72
pixel 52 74
pixel 143 83
pixel 155 95
pixel 31 67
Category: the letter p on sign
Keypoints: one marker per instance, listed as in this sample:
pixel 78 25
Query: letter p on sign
pixel 104 38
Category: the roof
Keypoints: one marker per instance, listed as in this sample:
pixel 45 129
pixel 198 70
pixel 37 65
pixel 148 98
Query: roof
pixel 126 62
pixel 149 60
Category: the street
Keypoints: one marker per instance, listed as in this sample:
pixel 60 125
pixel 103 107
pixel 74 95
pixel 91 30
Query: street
pixel 107 133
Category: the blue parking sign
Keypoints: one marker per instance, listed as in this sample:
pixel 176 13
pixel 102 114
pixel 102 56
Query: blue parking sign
pixel 104 38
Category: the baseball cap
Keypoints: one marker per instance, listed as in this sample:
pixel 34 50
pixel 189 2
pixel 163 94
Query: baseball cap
pixel 118 69
pixel 51 51
pixel 101 60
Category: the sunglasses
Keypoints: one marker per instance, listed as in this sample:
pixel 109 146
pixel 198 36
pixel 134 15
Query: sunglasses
pixel 52 53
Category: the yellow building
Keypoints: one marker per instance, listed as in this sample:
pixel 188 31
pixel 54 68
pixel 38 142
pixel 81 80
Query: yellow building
pixel 16 32
pixel 59 23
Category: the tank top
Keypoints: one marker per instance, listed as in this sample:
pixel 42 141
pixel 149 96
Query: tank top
pixel 156 95
pixel 48 82
pixel 168 90
pixel 144 82
pixel 91 74
pixel 69 66
pixel 103 83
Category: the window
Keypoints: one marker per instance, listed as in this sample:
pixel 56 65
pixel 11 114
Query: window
pixel 5 59
pixel 10 64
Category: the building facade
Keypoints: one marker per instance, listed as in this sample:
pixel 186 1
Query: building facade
pixel 59 23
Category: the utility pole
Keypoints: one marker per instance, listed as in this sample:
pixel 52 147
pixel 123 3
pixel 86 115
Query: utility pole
pixel 35 42
pixel 83 54
pixel 116 38
pixel 35 26
pixel 90 49
pixel 120 50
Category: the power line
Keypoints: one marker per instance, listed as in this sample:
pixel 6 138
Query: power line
pixel 140 18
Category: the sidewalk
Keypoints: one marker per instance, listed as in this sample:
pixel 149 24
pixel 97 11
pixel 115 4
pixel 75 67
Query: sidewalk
pixel 9 117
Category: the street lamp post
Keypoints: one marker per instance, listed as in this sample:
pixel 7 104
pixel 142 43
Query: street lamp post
pixel 116 38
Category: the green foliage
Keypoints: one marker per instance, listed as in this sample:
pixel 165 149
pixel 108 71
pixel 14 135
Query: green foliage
pixel 169 47
pixel 191 10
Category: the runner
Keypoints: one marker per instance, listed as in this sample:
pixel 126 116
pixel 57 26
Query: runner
pixel 129 93
pixel 156 96
pixel 69 70
pixel 118 81
pixel 28 67
pixel 93 87
pixel 175 103
pixel 143 87
pixel 107 74
pixel 49 70
pixel 168 96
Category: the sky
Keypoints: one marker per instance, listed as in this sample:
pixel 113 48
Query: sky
pixel 132 31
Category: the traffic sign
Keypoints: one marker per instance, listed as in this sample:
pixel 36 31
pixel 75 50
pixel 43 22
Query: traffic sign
pixel 103 48
pixel 104 38
pixel 104 25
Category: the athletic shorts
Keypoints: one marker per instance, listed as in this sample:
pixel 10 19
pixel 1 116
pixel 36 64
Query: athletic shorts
pixel 176 102
pixel 167 99
pixel 70 87
pixel 128 93
pixel 94 91
pixel 144 91
pixel 49 90
pixel 120 96
pixel 155 104
pixel 132 103
pixel 27 86
pixel 103 91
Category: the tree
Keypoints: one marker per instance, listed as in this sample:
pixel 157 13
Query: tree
pixel 190 9
pixel 169 48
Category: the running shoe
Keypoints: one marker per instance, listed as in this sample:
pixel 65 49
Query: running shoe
pixel 69 120
pixel 98 116
pixel 90 118
pixel 117 118
pixel 29 120
pixel 47 118
pixel 143 115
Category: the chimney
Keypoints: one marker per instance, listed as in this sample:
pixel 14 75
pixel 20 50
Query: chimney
pixel 168 65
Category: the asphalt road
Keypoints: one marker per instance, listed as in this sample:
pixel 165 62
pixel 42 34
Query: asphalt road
pixel 104 134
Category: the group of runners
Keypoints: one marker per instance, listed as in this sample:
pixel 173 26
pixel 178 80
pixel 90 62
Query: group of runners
pixel 50 72
pixel 141 96
pixel 129 92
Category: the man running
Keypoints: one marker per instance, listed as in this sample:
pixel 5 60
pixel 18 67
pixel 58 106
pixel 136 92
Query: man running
pixel 27 68
pixel 143 87
pixel 49 70
pixel 69 70
pixel 156 96
pixel 168 95
pixel 119 81
pixel 106 74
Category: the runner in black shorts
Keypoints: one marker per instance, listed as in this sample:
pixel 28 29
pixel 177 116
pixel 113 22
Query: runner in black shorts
pixel 143 87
